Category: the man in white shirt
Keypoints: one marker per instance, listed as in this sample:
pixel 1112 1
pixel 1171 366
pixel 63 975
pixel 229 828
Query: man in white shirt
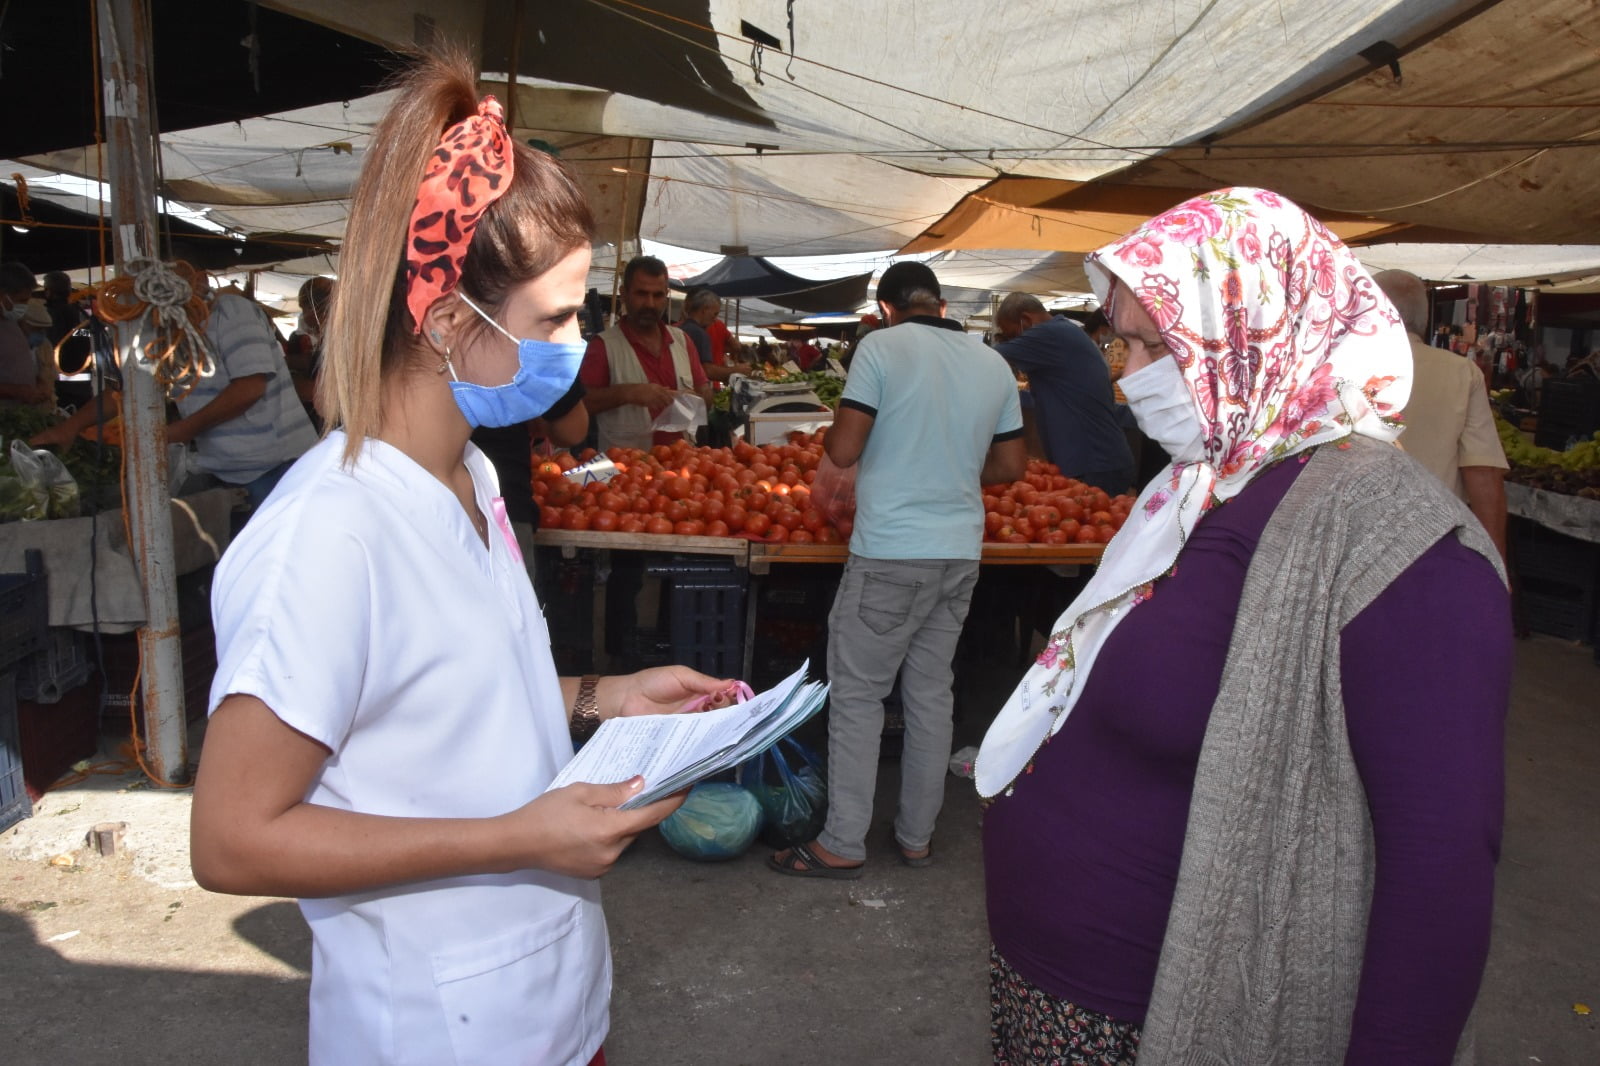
pixel 1449 427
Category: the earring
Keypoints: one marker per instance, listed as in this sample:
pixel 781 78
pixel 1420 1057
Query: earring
pixel 444 362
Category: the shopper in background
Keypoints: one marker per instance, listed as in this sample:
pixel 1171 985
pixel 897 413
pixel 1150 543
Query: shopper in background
pixel 245 420
pixel 22 379
pixel 1071 392
pixel 386 715
pixel 929 414
pixel 632 370
pixel 1449 427
pixel 701 321
pixel 303 353
pixel 1247 804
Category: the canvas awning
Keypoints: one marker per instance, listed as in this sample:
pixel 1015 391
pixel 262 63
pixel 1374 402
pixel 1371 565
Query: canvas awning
pixel 739 277
pixel 1067 216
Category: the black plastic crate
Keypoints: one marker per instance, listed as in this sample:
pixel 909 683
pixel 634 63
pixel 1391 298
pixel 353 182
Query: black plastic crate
pixel 61 666
pixel 14 802
pixel 566 591
pixel 705 611
pixel 1555 610
pixel 798 594
pixel 1543 554
pixel 24 611
pixel 1569 412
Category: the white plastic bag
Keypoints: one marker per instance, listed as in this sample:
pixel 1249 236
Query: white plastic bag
pixel 685 414
pixel 46 480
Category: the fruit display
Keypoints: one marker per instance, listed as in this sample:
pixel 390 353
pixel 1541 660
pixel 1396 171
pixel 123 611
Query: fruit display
pixel 764 494
pixel 1574 472
pixel 744 491
pixel 1047 508
pixel 96 470
pixel 827 387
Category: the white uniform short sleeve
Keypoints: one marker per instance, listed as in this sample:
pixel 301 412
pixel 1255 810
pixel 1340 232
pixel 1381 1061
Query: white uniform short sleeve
pixel 292 624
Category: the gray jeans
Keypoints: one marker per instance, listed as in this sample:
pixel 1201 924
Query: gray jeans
pixel 889 614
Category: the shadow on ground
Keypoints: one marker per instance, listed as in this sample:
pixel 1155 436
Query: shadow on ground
pixel 61 1011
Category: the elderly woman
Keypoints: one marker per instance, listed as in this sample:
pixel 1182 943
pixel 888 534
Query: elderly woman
pixel 1247 804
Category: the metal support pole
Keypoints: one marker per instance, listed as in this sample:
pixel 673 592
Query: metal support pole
pixel 125 51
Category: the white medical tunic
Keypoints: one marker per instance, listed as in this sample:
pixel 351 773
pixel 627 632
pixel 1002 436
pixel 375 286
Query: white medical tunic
pixel 360 605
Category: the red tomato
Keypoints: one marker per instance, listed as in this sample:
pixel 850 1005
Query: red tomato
pixel 757 524
pixel 548 469
pixel 1006 506
pixel 1087 535
pixel 630 523
pixel 801 536
pixel 550 518
pixel 603 521
pixel 813 519
pixel 734 516
pixel 1070 527
pixel 717 528
pixel 1044 515
pixel 1101 518
pixel 788 518
pixel 829 535
pixel 691 528
pixel 1106 533
pixel 777 534
pixel 658 524
pixel 575 518
pixel 1055 536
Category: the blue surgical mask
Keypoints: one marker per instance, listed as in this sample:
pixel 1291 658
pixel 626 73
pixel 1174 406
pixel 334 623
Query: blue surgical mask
pixel 545 371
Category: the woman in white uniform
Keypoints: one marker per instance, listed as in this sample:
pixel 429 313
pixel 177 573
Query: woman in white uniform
pixel 386 714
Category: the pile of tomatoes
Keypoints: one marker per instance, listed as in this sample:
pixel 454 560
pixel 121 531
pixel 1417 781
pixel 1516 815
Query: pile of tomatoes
pixel 1047 508
pixel 761 493
pixel 764 493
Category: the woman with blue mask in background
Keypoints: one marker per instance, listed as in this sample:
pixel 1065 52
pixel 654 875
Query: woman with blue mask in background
pixel 386 714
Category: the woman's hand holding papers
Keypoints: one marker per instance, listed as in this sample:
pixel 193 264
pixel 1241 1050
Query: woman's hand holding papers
pixel 661 690
pixel 578 830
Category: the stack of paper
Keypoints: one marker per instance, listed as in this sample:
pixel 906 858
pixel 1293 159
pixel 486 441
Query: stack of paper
pixel 673 751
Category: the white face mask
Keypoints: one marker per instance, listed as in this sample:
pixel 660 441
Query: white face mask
pixel 1162 405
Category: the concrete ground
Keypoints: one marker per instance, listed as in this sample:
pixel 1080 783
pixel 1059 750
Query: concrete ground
pixel 718 964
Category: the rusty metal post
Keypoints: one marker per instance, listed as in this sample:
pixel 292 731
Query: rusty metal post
pixel 125 50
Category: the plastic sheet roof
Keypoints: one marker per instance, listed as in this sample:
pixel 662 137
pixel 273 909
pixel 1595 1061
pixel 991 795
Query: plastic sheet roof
pixel 858 130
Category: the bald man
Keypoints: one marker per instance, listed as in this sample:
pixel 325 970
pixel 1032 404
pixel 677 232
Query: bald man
pixel 1449 427
pixel 1071 388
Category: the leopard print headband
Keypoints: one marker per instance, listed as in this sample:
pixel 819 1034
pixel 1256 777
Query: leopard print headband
pixel 470 170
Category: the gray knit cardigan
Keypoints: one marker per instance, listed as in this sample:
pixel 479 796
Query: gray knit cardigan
pixel 1262 955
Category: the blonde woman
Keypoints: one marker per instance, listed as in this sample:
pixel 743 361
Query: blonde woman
pixel 386 715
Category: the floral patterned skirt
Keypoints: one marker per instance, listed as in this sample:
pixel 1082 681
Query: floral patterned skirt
pixel 1028 1025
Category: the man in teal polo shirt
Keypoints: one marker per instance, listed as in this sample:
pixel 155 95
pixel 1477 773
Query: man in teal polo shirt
pixel 930 414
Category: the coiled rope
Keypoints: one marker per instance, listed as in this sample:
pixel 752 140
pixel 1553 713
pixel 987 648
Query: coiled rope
pixel 171 302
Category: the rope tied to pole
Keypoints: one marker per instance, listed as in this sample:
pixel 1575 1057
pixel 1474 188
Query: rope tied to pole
pixel 169 302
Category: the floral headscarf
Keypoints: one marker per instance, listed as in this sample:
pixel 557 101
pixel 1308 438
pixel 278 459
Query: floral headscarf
pixel 1285 343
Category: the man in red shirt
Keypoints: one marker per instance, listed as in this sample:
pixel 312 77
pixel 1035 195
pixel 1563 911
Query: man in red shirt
pixel 633 369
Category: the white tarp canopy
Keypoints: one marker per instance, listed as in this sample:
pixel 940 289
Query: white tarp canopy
pixel 880 120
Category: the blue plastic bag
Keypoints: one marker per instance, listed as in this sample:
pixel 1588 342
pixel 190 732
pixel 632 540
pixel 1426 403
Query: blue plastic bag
pixel 718 820
pixel 792 791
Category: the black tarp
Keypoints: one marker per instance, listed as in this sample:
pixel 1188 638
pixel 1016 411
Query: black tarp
pixel 65 239
pixel 215 61
pixel 744 277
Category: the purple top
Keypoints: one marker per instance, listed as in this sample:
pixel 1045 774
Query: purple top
pixel 1082 859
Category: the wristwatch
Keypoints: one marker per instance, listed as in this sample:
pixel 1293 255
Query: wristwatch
pixel 585 709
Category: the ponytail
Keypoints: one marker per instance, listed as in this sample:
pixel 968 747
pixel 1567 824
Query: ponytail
pixel 370 332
